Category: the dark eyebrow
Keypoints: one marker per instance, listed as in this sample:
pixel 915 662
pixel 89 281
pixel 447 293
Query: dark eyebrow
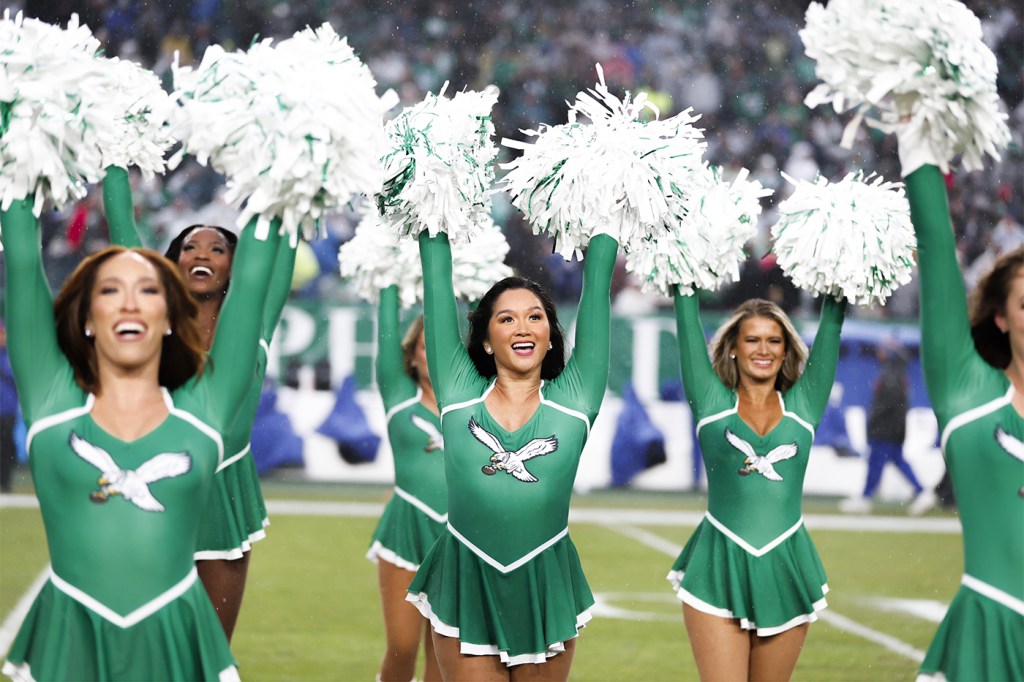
pixel 509 310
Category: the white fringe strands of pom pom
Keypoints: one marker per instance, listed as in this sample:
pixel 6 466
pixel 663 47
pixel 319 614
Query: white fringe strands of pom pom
pixel 850 239
pixel 297 128
pixel 50 131
pixel 377 257
pixel 704 247
pixel 922 60
pixel 439 167
pixel 617 175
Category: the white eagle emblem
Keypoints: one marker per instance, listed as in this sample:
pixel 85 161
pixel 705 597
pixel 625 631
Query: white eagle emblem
pixel 133 485
pixel 1012 445
pixel 435 441
pixel 511 462
pixel 762 464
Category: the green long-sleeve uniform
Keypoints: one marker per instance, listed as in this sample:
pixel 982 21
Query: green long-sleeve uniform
pixel 417 511
pixel 751 557
pixel 504 577
pixel 982 635
pixel 122 601
pixel 236 515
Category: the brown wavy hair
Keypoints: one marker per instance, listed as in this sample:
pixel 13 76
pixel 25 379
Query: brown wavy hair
pixel 989 300
pixel 725 340
pixel 182 355
pixel 412 336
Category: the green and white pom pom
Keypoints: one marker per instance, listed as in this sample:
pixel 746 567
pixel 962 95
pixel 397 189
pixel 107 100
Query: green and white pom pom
pixel 616 174
pixel 925 60
pixel 704 248
pixel 296 127
pixel 850 239
pixel 377 257
pixel 49 131
pixel 439 168
pixel 139 110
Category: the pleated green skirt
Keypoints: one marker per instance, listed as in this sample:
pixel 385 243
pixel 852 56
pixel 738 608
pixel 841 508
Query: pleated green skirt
pixel 404 535
pixel 236 514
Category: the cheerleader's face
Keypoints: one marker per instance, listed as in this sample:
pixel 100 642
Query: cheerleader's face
pixel 518 333
pixel 205 262
pixel 128 312
pixel 1011 321
pixel 760 349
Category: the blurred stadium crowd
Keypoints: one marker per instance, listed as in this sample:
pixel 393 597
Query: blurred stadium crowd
pixel 739 63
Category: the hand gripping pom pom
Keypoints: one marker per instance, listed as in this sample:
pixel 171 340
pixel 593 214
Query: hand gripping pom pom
pixel 50 127
pixel 704 248
pixel 617 175
pixel 921 61
pixel 851 239
pixel 376 258
pixel 297 128
pixel 439 168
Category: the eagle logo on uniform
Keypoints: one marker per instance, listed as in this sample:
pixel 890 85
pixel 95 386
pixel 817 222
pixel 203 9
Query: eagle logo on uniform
pixel 1012 445
pixel 511 462
pixel 762 464
pixel 435 441
pixel 132 485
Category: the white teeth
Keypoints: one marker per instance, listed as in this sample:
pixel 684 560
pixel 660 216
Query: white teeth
pixel 129 328
pixel 522 346
pixel 201 270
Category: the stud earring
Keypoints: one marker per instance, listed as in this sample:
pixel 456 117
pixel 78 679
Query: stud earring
pixel 732 355
pixel 550 345
pixel 488 350
pixel 88 332
pixel 168 332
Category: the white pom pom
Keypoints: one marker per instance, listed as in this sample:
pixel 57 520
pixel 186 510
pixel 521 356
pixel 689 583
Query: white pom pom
pixel 49 132
pixel 925 60
pixel 704 247
pixel 296 128
pixel 850 239
pixel 439 167
pixel 139 108
pixel 615 175
pixel 376 258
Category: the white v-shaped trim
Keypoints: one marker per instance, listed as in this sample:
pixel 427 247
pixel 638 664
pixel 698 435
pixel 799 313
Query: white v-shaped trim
pixel 746 545
pixel 136 616
pixel 735 410
pixel 404 404
pixel 515 564
pixel 543 401
pixel 993 593
pixel 59 418
pixel 421 505
pixel 195 421
pixel 973 414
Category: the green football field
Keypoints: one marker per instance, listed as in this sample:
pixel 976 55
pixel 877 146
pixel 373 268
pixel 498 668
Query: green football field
pixel 311 610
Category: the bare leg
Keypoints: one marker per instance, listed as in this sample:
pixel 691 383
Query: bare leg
pixel 458 667
pixel 774 658
pixel 720 646
pixel 556 669
pixel 432 672
pixel 224 581
pixel 403 624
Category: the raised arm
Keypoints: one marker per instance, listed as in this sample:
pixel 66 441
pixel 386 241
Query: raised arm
pixel 34 352
pixel 117 200
pixel 699 379
pixel 447 358
pixel 815 384
pixel 391 376
pixel 280 287
pixel 947 350
pixel 236 342
pixel 590 356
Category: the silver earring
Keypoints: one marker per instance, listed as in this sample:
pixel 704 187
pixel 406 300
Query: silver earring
pixel 168 332
pixel 88 332
pixel 733 356
pixel 488 350
pixel 550 345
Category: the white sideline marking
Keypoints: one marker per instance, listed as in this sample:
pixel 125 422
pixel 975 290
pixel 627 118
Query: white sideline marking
pixel 828 615
pixel 603 606
pixel 9 628
pixel 925 609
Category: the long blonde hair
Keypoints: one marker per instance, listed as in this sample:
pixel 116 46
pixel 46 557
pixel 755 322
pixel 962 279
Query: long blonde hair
pixel 725 340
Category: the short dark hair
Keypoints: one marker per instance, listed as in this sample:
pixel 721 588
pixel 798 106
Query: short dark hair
pixel 183 355
pixel 480 317
pixel 989 300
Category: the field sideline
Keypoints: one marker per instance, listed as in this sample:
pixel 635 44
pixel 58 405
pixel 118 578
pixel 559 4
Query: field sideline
pixel 312 612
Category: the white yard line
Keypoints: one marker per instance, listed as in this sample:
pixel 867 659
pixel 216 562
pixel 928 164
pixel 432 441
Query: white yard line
pixel 829 615
pixel 9 628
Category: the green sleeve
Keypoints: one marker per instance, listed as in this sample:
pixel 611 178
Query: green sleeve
pixel 590 356
pixel 280 288
pixel 235 351
pixel 815 384
pixel 948 357
pixel 117 200
pixel 392 380
pixel 34 352
pixel 447 359
pixel 700 383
